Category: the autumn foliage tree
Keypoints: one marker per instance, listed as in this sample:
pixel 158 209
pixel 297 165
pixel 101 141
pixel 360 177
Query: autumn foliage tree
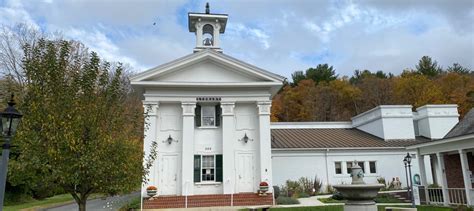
pixel 333 98
pixel 80 131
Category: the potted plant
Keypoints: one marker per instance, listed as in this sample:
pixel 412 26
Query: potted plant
pixel 151 190
pixel 263 188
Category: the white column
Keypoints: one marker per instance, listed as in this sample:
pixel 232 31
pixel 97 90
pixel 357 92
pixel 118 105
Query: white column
pixel 228 140
pixel 422 169
pixel 466 176
pixel 151 110
pixel 187 166
pixel 265 142
pixel 442 175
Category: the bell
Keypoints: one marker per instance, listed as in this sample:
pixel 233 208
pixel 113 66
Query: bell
pixel 207 42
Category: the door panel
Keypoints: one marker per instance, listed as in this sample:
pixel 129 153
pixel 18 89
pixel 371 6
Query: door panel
pixel 245 172
pixel 169 175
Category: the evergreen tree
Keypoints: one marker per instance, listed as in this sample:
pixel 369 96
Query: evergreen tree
pixel 428 67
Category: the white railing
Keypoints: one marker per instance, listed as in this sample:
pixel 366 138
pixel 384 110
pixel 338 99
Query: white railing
pixel 435 196
pixel 457 196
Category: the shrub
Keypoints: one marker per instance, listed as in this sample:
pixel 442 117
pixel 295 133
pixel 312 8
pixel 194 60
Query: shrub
pixel 306 185
pixel 317 185
pixel 286 200
pixel 337 196
pixel 276 191
pixel 330 189
pixel 303 195
pixel 292 187
pixel 134 204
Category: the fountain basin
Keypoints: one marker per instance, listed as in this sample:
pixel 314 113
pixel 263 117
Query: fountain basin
pixel 359 193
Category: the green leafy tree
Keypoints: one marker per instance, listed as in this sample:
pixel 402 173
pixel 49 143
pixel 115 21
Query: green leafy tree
pixel 322 72
pixel 80 130
pixel 297 76
pixel 457 68
pixel 426 66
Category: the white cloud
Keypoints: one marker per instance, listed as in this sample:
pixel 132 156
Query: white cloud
pixel 278 35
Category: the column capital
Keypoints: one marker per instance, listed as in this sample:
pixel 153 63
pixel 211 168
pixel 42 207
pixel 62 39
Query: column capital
pixel 188 108
pixel 150 107
pixel 227 108
pixel 264 107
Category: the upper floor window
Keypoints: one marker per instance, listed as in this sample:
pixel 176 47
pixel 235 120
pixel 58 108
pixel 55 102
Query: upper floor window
pixel 207 115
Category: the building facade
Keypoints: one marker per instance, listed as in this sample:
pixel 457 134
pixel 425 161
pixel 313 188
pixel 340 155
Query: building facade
pixel 209 116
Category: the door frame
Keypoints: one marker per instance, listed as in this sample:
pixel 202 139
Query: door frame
pixel 178 172
pixel 236 156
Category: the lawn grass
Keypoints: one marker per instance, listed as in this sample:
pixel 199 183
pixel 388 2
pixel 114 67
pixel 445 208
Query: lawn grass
pixel 330 200
pixel 47 202
pixel 51 201
pixel 316 208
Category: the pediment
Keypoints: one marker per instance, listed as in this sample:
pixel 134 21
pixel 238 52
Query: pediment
pixel 207 66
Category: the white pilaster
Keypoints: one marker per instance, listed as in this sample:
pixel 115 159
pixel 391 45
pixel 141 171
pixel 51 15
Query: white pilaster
pixel 265 142
pixel 188 148
pixel 466 176
pixel 150 109
pixel 422 170
pixel 217 28
pixel 442 175
pixel 228 140
pixel 199 26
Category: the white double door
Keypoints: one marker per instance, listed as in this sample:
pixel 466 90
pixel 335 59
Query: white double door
pixel 169 174
pixel 245 172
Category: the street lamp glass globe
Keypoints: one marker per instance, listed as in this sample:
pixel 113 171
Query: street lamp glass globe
pixel 405 161
pixel 408 157
pixel 10 118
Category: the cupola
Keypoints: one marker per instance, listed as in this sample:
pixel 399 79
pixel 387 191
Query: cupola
pixel 207 27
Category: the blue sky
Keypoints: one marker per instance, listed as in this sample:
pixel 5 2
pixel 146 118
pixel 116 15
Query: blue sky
pixel 278 35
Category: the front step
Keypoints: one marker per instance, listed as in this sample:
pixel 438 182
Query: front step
pixel 214 200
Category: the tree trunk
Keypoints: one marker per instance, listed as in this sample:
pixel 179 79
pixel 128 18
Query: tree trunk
pixel 82 204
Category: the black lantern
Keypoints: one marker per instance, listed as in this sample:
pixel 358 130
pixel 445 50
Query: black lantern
pixel 408 158
pixel 246 139
pixel 405 161
pixel 170 140
pixel 10 118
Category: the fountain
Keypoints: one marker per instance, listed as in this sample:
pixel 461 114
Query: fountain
pixel 360 196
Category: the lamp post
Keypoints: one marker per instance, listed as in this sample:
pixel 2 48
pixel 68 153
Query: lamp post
pixel 9 120
pixel 407 161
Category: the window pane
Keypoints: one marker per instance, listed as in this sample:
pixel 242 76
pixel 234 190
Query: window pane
pixel 373 170
pixel 207 168
pixel 338 168
pixel 208 113
pixel 349 166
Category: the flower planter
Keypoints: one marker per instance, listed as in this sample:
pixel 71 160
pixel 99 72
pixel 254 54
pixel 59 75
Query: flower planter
pixel 151 193
pixel 263 188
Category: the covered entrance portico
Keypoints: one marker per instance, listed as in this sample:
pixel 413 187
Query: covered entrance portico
pixel 452 161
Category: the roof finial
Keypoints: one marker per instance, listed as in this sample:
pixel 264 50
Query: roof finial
pixel 207 8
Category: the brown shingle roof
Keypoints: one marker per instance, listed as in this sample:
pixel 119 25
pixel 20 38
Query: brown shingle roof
pixel 464 127
pixel 332 138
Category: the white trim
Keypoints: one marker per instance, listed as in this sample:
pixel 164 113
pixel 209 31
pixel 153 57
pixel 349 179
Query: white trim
pixel 202 55
pixel 309 125
pixel 442 141
pixel 205 84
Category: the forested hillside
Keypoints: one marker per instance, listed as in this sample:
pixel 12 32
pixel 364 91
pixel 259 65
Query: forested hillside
pixel 319 94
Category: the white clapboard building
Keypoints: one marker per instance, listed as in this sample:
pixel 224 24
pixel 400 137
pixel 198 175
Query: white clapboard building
pixel 209 114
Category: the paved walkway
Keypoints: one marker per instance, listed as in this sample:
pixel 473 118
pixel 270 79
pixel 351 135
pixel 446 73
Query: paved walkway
pixel 110 203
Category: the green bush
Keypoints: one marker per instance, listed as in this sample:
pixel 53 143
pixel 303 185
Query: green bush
pixel 134 204
pixel 303 195
pixel 330 189
pixel 286 200
pixel 337 196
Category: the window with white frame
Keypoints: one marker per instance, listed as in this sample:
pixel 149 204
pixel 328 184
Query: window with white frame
pixel 372 167
pixel 338 167
pixel 208 116
pixel 208 168
pixel 349 166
